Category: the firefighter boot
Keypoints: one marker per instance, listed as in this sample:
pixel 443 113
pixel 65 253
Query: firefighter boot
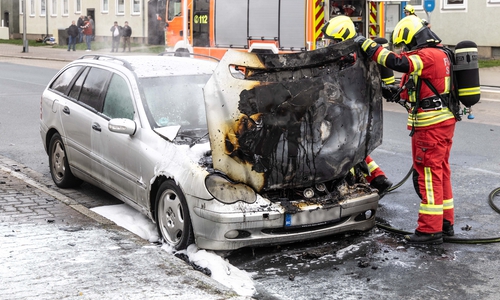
pixel 382 184
pixel 448 228
pixel 424 238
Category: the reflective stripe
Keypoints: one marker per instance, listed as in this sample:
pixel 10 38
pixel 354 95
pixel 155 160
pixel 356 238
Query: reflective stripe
pixel 382 56
pixel 429 190
pixel 418 64
pixel 366 44
pixel 389 80
pixel 447 85
pixel 353 172
pixel 469 91
pixel 430 209
pixel 372 166
pixel 427 118
pixel 465 50
pixel 448 204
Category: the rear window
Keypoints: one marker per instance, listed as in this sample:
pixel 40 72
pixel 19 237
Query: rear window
pixel 64 80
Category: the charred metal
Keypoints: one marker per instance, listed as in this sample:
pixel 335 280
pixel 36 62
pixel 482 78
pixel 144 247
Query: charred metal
pixel 300 119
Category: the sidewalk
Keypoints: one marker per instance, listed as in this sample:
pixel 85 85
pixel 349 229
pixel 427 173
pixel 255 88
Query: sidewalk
pixel 54 248
pixel 57 54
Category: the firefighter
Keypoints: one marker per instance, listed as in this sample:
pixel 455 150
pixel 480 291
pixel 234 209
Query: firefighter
pixel 426 87
pixel 340 29
pixel 410 11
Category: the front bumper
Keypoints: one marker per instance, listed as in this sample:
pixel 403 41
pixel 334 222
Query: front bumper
pixel 234 230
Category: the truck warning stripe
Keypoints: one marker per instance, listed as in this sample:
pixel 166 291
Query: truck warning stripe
pixel 373 19
pixel 319 19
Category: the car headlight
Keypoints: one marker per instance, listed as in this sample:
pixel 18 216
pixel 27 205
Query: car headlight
pixel 229 192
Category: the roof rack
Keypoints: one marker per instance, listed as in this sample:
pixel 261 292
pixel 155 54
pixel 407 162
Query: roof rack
pixel 125 63
pixel 186 54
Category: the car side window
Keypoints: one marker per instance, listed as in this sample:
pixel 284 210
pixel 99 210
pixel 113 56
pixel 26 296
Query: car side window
pixel 93 87
pixel 62 82
pixel 118 102
pixel 77 87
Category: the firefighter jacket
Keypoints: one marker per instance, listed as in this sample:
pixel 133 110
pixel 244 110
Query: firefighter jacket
pixel 429 63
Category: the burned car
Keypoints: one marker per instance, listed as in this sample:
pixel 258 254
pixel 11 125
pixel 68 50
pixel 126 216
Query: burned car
pixel 254 150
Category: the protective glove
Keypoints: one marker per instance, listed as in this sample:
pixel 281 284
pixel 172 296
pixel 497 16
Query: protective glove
pixel 391 92
pixel 367 45
pixel 359 39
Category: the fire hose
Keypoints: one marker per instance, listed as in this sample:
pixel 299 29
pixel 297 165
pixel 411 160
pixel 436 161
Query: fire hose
pixel 491 197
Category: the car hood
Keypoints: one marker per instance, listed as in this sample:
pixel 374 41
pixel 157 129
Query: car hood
pixel 292 120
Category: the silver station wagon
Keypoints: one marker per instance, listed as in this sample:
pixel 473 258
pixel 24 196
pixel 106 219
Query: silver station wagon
pixel 254 150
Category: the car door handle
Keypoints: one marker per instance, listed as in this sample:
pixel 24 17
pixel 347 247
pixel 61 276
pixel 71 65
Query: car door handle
pixel 96 127
pixel 66 110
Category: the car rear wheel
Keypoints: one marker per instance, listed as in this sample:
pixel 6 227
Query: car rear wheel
pixel 59 167
pixel 172 216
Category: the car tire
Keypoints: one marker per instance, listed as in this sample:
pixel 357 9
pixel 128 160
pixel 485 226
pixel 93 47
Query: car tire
pixel 172 216
pixel 59 166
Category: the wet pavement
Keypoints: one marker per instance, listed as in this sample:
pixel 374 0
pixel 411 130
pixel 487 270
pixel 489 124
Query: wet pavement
pixel 52 247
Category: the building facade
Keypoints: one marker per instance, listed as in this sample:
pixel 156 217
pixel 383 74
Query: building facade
pixel 50 17
pixel 458 20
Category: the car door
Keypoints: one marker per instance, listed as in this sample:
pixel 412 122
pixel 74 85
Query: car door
pixel 119 155
pixel 77 116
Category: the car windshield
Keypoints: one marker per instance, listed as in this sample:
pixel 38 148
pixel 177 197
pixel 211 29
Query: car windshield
pixel 177 100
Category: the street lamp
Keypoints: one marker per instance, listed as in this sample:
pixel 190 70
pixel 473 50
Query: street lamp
pixel 47 18
pixel 25 41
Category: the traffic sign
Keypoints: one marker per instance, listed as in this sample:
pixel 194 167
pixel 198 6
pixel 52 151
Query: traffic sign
pixel 429 5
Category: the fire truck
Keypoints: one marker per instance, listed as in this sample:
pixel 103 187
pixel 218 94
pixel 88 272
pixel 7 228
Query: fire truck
pixel 211 27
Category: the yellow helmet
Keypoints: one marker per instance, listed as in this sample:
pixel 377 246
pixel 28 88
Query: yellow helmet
pixel 409 9
pixel 339 28
pixel 406 29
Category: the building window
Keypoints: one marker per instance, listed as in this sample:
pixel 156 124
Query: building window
pixel 32 7
pixel 65 8
pixel 105 6
pixel 120 7
pixel 78 6
pixel 136 7
pixel 21 7
pixel 417 4
pixel 43 7
pixel 454 4
pixel 53 10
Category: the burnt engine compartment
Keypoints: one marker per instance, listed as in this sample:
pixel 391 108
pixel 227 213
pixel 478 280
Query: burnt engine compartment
pixel 294 120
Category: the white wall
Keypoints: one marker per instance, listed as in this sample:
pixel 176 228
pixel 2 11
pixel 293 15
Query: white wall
pixel 479 22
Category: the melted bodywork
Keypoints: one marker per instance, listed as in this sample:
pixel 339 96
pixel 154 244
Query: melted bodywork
pixel 293 120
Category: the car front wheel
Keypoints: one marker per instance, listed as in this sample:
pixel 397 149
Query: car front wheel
pixel 59 167
pixel 172 216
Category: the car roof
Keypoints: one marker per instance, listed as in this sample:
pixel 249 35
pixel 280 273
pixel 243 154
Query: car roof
pixel 155 66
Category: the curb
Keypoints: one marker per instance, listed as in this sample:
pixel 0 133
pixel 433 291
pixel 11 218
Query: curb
pixel 60 197
pixel 490 93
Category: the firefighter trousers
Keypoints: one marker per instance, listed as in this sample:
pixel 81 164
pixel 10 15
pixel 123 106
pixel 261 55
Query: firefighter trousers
pixel 431 151
pixel 373 168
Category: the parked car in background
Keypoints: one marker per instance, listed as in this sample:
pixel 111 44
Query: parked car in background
pixel 216 169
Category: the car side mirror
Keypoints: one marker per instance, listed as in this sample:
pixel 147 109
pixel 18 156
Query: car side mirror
pixel 120 125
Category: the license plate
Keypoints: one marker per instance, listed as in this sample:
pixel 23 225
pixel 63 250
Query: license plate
pixel 312 215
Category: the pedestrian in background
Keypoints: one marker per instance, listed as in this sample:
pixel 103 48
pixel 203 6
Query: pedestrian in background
pixel 80 24
pixel 87 31
pixel 92 26
pixel 126 33
pixel 73 34
pixel 116 32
